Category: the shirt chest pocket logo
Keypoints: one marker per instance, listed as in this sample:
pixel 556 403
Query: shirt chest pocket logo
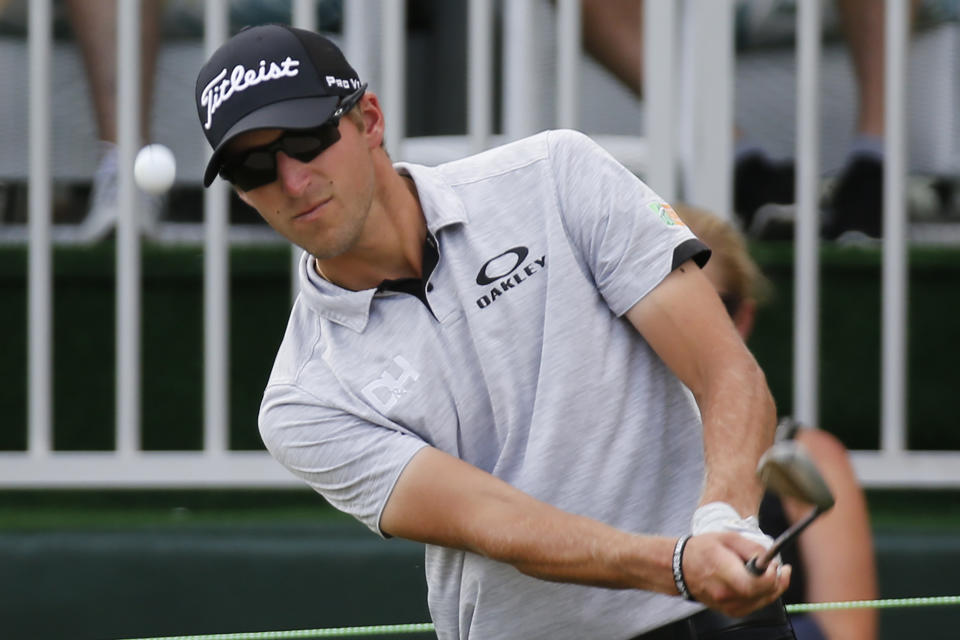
pixel 505 277
pixel 385 392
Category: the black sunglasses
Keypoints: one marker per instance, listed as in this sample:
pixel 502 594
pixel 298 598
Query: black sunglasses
pixel 256 167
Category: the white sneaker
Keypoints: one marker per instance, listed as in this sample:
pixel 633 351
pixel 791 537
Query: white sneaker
pixel 102 212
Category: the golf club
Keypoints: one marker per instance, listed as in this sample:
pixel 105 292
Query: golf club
pixel 787 470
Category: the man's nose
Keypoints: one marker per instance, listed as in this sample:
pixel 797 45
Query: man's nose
pixel 294 175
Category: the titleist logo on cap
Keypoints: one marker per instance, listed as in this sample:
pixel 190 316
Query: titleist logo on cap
pixel 221 88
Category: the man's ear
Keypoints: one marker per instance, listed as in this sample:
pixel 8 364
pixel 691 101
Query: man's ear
pixel 744 317
pixel 373 121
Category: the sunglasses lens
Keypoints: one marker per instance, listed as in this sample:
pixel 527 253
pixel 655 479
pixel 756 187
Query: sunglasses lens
pixel 250 179
pixel 255 170
pixel 258 167
pixel 258 161
pixel 307 146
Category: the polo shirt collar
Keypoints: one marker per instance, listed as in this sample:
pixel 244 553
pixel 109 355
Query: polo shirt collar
pixel 441 208
pixel 441 205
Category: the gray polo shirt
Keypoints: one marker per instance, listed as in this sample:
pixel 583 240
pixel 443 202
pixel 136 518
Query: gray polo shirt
pixel 519 362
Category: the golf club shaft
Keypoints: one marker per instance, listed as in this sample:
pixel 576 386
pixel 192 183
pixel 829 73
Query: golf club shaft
pixel 759 564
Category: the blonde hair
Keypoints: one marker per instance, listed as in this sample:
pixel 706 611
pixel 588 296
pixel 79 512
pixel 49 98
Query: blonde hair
pixel 354 116
pixel 742 275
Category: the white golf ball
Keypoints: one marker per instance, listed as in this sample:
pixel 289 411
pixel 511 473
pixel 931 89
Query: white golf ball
pixel 154 169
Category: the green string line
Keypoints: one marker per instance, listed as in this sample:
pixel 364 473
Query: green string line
pixel 891 603
pixel 337 632
pixel 426 627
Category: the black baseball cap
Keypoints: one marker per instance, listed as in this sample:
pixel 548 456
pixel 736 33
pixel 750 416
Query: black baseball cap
pixel 269 76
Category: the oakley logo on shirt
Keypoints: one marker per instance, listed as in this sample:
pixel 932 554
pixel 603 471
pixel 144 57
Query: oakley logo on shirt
pixel 504 272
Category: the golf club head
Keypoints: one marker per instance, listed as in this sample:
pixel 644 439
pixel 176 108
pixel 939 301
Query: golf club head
pixel 786 469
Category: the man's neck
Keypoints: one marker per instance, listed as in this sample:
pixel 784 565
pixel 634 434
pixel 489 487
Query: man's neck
pixel 394 249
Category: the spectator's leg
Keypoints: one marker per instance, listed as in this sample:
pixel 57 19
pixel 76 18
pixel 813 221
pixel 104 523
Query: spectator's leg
pixel 95 26
pixel 613 34
pixel 856 203
pixel 863 26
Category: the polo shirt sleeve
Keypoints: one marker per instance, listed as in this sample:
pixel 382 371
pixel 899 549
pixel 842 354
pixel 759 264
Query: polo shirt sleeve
pixel 625 236
pixel 353 463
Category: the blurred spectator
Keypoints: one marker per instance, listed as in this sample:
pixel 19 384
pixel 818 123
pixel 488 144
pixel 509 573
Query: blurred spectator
pixel 612 34
pixel 833 559
pixel 95 25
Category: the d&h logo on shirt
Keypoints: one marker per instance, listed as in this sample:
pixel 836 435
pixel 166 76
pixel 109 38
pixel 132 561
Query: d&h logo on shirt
pixel 384 392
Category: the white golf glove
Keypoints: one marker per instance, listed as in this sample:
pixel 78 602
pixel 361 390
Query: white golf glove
pixel 715 517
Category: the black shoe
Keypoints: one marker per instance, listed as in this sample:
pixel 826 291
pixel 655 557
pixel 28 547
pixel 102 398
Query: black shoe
pixel 856 205
pixel 773 222
pixel 757 180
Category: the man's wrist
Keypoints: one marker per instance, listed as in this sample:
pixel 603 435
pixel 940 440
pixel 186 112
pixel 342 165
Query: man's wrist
pixel 713 516
pixel 678 578
pixel 716 517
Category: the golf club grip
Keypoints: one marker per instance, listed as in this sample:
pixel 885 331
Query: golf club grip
pixel 758 564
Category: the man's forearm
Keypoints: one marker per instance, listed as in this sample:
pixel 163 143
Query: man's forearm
pixel 739 418
pixel 444 501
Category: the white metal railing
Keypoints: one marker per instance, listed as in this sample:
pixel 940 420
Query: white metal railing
pixel 806 339
pixel 40 278
pixel 128 309
pixel 893 465
pixel 685 59
pixel 216 304
pixel 894 455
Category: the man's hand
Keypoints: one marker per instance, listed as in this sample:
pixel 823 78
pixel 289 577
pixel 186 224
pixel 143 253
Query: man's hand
pixel 713 568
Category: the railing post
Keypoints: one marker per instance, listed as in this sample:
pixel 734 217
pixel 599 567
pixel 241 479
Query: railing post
pixel 40 278
pixel 360 22
pixel 480 75
pixel 568 72
pixel 708 102
pixel 893 394
pixel 128 230
pixel 806 301
pixel 216 274
pixel 518 90
pixel 660 89
pixel 304 17
pixel 304 14
pixel 393 63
